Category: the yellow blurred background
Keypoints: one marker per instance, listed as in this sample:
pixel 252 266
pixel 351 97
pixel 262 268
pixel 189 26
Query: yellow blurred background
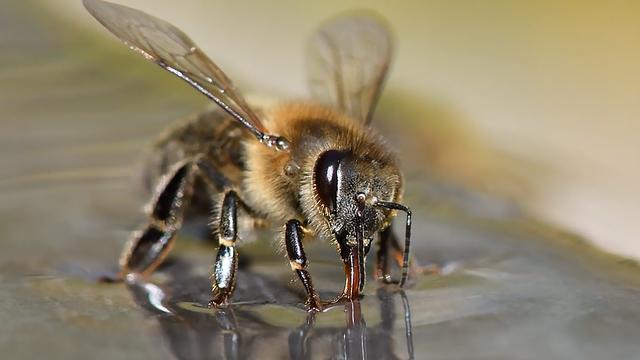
pixel 547 91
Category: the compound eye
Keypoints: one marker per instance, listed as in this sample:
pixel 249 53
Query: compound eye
pixel 326 177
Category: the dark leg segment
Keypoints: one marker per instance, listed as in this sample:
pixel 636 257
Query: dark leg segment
pixel 298 261
pixel 224 275
pixel 148 247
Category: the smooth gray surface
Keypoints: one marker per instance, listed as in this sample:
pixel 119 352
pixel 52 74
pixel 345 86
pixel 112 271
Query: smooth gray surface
pixel 76 118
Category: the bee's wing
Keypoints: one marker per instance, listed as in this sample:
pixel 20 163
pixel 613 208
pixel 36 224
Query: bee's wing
pixel 348 59
pixel 164 44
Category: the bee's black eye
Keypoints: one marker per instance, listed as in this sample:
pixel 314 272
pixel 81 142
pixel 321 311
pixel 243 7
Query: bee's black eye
pixel 326 177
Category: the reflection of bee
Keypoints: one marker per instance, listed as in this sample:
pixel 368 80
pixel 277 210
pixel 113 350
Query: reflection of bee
pixel 326 174
pixel 246 333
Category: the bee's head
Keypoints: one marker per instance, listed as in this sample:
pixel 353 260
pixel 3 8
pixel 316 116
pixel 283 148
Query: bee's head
pixel 350 190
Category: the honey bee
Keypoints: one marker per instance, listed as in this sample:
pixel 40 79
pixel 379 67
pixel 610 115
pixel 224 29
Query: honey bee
pixel 319 168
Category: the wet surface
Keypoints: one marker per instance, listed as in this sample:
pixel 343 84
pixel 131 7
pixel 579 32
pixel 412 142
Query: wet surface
pixel 77 118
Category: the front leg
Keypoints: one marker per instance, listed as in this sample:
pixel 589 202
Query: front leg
pixel 294 235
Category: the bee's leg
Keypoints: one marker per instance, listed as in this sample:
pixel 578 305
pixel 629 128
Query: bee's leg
pixel 148 247
pixel 294 235
pixel 389 243
pixel 226 266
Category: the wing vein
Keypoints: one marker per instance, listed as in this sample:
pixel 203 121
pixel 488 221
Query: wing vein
pixel 348 61
pixel 164 44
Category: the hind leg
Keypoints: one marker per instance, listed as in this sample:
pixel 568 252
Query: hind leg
pixel 147 247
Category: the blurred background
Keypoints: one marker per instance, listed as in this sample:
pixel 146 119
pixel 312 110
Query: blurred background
pixel 517 125
pixel 537 101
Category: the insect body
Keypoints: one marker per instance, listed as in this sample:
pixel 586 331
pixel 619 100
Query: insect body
pixel 320 170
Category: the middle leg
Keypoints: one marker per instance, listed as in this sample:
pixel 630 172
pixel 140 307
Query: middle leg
pixel 226 266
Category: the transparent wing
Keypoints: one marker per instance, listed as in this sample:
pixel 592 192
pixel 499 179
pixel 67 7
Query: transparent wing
pixel 164 44
pixel 348 59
